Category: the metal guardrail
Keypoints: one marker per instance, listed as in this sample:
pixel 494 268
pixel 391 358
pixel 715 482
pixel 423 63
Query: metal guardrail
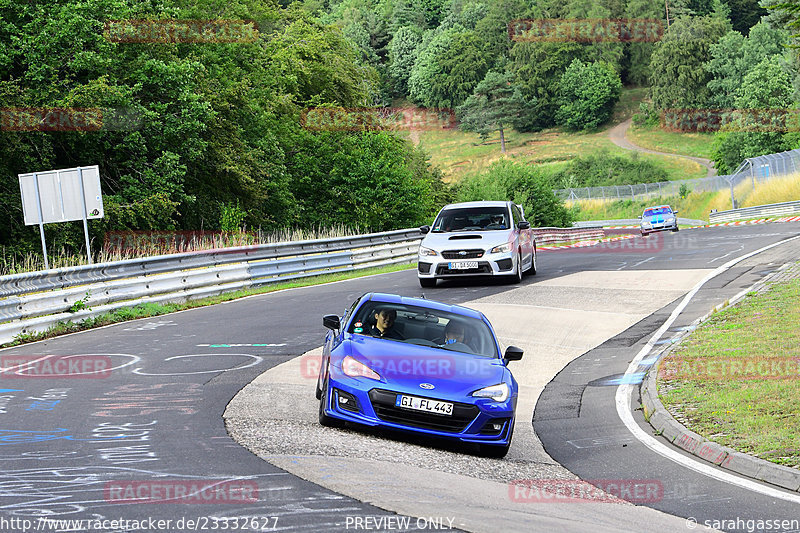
pixel 631 222
pixel 555 235
pixel 770 210
pixel 35 301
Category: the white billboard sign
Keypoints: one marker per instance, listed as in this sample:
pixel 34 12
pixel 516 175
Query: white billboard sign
pixel 63 195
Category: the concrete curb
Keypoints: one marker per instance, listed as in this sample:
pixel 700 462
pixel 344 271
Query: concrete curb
pixel 679 435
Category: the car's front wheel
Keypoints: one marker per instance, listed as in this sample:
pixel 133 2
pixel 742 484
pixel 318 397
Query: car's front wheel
pixel 325 420
pixel 497 451
pixel 516 277
pixel 494 451
pixel 427 283
pixel 532 269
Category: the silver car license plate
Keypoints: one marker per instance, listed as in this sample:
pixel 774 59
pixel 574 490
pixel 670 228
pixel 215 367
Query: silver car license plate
pixel 462 265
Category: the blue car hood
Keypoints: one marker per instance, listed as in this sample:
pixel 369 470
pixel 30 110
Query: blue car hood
pixel 407 365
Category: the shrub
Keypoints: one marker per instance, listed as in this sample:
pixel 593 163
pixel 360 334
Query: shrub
pixel 522 184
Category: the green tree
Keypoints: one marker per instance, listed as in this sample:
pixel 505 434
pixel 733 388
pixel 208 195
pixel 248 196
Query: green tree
pixel 587 94
pixel 766 86
pixel 524 185
pixel 537 69
pixel 638 53
pixel 604 168
pixel 494 106
pixel 746 13
pixel 678 75
pixel 734 55
pixel 402 55
pixel 449 66
pixel 370 181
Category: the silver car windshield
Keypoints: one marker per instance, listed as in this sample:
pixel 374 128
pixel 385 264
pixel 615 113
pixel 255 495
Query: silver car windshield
pixel 425 327
pixel 472 219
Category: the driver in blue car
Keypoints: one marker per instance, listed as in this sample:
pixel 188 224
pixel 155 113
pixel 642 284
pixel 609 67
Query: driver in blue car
pixel 454 332
pixel 384 325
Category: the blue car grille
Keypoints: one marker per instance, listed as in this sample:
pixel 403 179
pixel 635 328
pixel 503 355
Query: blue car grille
pixel 383 402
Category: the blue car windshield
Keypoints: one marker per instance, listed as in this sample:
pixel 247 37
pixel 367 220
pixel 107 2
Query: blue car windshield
pixel 472 219
pixel 425 327
pixel 657 211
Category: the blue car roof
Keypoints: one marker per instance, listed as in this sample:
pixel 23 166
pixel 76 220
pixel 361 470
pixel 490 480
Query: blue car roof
pixel 423 302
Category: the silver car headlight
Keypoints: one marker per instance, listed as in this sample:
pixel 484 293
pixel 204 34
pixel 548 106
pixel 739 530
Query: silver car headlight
pixel 498 393
pixel 427 251
pixel 646 224
pixel 503 248
pixel 670 220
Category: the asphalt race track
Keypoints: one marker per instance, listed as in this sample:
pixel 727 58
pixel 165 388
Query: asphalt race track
pixel 117 445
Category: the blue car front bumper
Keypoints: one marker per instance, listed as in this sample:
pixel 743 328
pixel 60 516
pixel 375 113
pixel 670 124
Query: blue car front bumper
pixel 476 420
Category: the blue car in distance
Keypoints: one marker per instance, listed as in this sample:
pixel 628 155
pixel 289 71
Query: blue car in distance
pixel 418 366
pixel 658 218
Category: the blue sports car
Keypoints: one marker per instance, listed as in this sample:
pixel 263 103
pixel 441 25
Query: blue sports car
pixel 420 366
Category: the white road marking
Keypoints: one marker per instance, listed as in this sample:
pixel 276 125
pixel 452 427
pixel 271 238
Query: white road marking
pixel 624 393
pixel 741 247
pixel 240 345
pixel 256 361
pixel 644 261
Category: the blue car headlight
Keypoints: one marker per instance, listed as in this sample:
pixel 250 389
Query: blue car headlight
pixel 498 393
pixel 356 369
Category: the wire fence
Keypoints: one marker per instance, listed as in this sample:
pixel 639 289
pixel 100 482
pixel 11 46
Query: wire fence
pixel 757 169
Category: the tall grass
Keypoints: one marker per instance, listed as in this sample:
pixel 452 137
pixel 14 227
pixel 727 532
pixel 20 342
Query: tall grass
pixel 138 246
pixel 695 205
pixel 774 191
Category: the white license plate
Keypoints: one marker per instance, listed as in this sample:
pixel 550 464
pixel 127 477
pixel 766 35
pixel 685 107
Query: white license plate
pixel 423 404
pixel 462 265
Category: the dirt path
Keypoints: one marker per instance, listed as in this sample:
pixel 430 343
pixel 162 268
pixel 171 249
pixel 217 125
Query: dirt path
pixel 618 135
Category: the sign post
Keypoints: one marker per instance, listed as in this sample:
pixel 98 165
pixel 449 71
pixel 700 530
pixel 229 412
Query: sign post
pixel 61 196
pixel 41 223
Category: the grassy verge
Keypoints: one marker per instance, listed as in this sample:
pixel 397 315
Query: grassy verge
pixel 695 205
pixel 147 310
pixel 135 245
pixel 654 138
pixel 460 153
pixel 756 416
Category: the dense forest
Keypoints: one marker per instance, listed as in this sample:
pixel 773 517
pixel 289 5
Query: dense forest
pixel 218 134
